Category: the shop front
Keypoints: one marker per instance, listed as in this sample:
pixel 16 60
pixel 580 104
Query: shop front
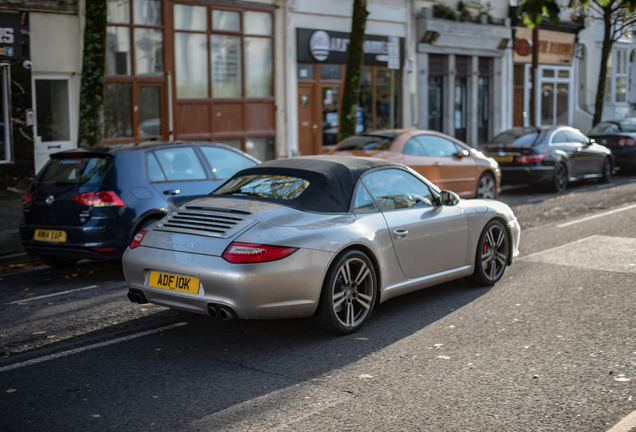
pixel 555 77
pixel 463 76
pixel 190 70
pixel 322 57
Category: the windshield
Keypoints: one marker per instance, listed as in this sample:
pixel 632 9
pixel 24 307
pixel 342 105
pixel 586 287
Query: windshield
pixel 518 138
pixel 88 171
pixel 264 186
pixel 366 142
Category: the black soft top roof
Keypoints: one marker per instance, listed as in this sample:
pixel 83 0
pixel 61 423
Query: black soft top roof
pixel 332 179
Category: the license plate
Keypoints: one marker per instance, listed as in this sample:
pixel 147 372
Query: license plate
pixel 503 158
pixel 50 235
pixel 174 282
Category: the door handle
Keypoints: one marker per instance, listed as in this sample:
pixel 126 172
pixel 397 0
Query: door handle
pixel 52 147
pixel 400 232
pixel 314 127
pixel 171 192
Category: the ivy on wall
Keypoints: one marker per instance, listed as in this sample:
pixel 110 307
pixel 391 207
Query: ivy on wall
pixel 91 115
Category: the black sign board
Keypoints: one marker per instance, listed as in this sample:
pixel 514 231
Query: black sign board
pixel 10 36
pixel 331 47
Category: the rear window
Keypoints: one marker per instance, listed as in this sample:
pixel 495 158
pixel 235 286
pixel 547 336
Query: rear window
pixel 88 171
pixel 518 138
pixel 628 126
pixel 605 127
pixel 264 186
pixel 366 142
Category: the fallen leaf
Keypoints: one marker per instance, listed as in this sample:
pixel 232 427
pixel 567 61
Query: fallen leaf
pixel 74 275
pixel 40 332
pixel 364 376
pixel 26 289
pixel 11 390
pixel 443 357
pixel 362 338
pixel 50 303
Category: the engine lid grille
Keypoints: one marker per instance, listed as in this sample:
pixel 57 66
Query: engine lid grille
pixel 206 223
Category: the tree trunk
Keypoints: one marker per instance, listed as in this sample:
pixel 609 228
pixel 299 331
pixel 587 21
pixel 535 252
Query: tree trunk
pixel 355 55
pixel 605 53
pixel 91 116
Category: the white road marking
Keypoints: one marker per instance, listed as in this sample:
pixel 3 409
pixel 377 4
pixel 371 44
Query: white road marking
pixel 585 219
pixel 625 425
pixel 557 247
pixel 597 252
pixel 54 294
pixel 88 347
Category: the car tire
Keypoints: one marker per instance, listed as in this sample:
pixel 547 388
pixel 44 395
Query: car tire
pixel 58 262
pixel 606 173
pixel 344 305
pixel 487 186
pixel 492 255
pixel 559 182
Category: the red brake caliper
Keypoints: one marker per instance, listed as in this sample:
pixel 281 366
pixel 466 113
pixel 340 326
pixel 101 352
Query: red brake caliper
pixel 485 248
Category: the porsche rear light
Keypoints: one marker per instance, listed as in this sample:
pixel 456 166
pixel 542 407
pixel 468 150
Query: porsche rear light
pixel 99 199
pixel 531 158
pixel 136 241
pixel 242 253
pixel 626 142
pixel 27 198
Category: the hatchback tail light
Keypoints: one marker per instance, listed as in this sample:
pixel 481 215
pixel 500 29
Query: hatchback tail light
pixel 27 198
pixel 136 241
pixel 99 199
pixel 626 142
pixel 242 253
pixel 531 158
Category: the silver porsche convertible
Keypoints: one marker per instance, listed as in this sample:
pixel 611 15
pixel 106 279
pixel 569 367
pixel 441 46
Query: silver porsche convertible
pixel 326 238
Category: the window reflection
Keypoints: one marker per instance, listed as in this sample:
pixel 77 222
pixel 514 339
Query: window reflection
pixel 226 20
pixel 258 67
pixel 226 66
pixel 148 51
pixel 258 23
pixel 190 18
pixel 147 12
pixel 118 11
pixel 118 110
pixel 118 51
pixel 191 62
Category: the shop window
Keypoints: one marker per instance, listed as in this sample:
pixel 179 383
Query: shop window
pixel 134 70
pixel 555 96
pixel 226 66
pixel 5 120
pixel 262 148
pixel 437 71
pixel 118 110
pixel 305 72
pixel 258 67
pixel 191 64
pixel 329 72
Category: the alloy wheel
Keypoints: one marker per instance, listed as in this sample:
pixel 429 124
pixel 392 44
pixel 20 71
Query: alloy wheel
pixel 486 188
pixel 353 292
pixel 494 252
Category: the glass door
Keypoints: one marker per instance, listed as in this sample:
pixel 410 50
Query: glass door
pixel 330 114
pixel 53 130
pixel 149 110
pixel 555 96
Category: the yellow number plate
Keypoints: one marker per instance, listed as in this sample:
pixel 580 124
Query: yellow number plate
pixel 50 235
pixel 503 158
pixel 174 282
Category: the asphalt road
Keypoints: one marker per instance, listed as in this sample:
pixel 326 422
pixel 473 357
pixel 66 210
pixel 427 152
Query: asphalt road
pixel 551 347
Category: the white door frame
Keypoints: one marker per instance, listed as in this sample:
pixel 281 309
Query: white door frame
pixel 42 151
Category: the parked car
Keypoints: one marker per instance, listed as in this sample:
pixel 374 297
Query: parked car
pixel 552 155
pixel 444 160
pixel 320 237
pixel 620 137
pixel 89 203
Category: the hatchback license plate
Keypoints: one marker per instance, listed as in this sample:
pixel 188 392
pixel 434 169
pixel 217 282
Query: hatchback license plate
pixel 174 282
pixel 50 235
pixel 503 158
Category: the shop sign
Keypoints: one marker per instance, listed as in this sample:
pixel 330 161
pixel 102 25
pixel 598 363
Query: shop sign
pixel 10 36
pixel 555 48
pixel 523 47
pixel 331 47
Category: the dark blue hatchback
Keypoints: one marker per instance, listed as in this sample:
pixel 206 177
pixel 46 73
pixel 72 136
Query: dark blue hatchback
pixel 89 203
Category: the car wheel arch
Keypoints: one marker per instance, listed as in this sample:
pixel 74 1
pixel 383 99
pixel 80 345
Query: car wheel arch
pixel 144 219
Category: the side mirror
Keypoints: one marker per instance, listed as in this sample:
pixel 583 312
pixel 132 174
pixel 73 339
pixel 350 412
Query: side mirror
pixel 462 154
pixel 449 198
pixel 590 142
